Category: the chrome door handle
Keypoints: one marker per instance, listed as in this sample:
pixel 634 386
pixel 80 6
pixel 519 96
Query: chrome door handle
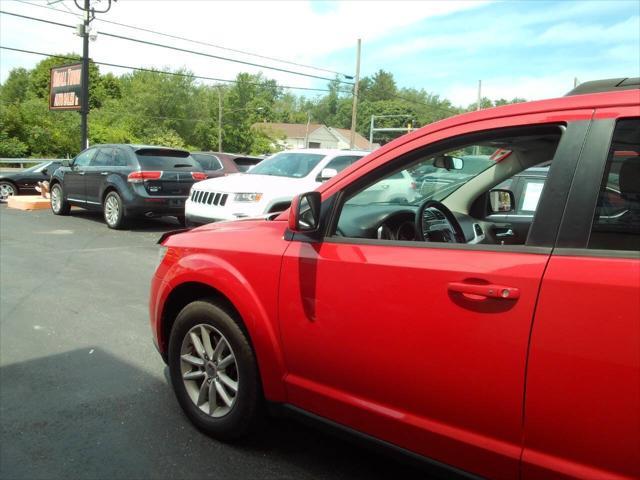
pixel 508 233
pixel 104 173
pixel 81 173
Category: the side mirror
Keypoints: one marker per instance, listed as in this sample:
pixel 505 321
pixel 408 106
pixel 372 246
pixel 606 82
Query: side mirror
pixel 502 201
pixel 327 173
pixel 45 171
pixel 66 163
pixel 448 163
pixel 304 213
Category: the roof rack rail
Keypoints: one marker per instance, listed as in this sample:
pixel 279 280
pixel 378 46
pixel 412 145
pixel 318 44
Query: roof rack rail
pixel 608 85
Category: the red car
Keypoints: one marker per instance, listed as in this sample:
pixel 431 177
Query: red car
pixel 451 328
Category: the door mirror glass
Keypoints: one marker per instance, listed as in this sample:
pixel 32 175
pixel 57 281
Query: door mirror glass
pixel 327 173
pixel 66 163
pixel 502 201
pixel 304 214
pixel 447 162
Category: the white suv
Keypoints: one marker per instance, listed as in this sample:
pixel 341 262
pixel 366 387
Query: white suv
pixel 267 187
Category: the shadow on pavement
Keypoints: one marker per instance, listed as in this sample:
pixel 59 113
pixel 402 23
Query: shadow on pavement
pixel 87 414
pixel 138 224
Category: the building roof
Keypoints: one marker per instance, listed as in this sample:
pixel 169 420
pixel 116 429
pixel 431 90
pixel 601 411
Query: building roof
pixel 359 141
pixel 291 130
pixel 299 130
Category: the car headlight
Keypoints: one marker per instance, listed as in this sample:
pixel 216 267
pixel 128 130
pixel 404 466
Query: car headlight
pixel 247 197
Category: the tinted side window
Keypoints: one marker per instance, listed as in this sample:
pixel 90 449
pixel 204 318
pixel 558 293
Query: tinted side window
pixel 83 159
pixel 208 162
pixel 119 158
pixel 340 163
pixel 616 223
pixel 103 158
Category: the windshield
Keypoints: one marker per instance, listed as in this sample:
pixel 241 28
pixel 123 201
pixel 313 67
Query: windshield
pixel 36 168
pixel 287 164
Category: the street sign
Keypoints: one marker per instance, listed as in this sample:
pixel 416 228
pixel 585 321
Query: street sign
pixel 65 92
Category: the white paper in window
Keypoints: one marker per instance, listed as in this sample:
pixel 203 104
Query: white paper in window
pixel 532 196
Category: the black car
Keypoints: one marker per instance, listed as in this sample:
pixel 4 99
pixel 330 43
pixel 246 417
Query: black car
pixel 24 182
pixel 126 181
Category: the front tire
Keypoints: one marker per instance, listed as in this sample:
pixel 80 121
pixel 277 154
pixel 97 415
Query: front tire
pixel 7 189
pixel 59 206
pixel 213 371
pixel 113 210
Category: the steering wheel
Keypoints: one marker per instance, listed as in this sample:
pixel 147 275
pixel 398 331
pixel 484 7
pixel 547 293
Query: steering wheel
pixel 436 223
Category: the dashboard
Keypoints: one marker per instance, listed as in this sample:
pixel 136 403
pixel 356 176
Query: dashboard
pixel 396 222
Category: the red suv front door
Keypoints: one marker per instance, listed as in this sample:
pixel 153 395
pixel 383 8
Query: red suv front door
pixel 378 338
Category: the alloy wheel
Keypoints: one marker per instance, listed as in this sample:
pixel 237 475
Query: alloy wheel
pixel 6 190
pixel 56 198
pixel 209 370
pixel 111 210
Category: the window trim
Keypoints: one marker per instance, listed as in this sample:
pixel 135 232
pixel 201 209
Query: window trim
pixel 575 230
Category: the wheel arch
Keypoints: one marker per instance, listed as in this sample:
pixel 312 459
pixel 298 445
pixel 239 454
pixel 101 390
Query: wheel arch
pixel 243 308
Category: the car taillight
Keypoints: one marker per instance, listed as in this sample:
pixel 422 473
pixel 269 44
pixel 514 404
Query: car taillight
pixel 199 175
pixel 139 177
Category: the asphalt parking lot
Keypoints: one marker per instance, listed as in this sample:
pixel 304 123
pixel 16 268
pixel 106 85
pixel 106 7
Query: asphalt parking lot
pixel 83 393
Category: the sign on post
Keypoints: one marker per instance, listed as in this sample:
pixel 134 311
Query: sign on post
pixel 65 92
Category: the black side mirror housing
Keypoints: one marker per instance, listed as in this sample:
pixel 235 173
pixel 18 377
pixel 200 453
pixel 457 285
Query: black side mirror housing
pixel 501 201
pixel 304 213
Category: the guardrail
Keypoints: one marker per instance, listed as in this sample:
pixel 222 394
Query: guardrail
pixel 27 161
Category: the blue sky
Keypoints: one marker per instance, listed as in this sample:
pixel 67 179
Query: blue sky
pixel 530 49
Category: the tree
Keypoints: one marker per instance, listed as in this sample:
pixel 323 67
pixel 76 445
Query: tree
pixel 15 87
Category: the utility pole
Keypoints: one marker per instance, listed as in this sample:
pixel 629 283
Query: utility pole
pixel 89 14
pixel 219 118
pixel 354 108
pixel 371 133
pixel 306 135
pixel 84 111
pixel 476 149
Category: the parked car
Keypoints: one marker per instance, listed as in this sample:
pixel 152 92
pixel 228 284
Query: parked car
pixel 221 164
pixel 267 187
pixel 412 325
pixel 126 181
pixel 25 181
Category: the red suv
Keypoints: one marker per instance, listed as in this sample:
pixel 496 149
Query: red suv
pixel 450 328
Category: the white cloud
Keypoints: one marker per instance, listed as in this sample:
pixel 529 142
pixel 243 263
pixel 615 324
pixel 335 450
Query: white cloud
pixel 283 29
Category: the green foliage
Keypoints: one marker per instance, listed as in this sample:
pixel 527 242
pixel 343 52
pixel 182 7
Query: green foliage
pixel 151 107
pixel 11 147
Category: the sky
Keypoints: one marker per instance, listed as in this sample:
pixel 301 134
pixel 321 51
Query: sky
pixel 529 49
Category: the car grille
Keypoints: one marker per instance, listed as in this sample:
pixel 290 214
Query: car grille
pixel 209 198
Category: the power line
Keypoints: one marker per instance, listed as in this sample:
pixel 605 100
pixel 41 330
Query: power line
pixel 185 50
pixel 199 42
pixel 141 69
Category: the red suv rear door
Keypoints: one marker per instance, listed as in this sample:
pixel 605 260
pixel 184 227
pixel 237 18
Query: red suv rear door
pixel 582 411
pixel 376 339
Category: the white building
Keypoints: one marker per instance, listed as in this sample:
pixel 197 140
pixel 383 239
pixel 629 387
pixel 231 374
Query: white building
pixel 299 135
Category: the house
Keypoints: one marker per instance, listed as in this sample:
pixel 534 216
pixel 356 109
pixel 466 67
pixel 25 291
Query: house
pixel 315 135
